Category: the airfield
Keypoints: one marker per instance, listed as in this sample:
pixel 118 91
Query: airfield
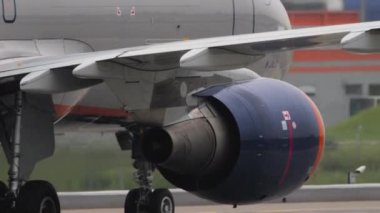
pixel 348 198
pixel 325 207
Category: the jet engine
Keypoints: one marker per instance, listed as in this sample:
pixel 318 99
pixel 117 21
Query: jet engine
pixel 248 142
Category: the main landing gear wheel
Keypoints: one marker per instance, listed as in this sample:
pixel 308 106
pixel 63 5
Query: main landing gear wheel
pixel 37 197
pixel 161 201
pixel 3 199
pixel 133 202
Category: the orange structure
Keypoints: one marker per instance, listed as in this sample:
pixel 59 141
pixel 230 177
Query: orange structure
pixel 318 18
pixel 317 60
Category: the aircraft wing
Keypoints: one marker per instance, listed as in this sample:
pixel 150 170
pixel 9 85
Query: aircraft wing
pixel 209 52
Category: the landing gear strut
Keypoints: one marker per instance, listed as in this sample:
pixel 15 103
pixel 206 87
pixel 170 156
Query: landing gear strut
pixel 145 199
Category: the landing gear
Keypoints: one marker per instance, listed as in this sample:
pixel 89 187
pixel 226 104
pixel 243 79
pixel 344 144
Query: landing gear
pixel 29 118
pixel 133 202
pixel 37 197
pixel 159 201
pixel 144 199
pixel 3 199
pixel 33 197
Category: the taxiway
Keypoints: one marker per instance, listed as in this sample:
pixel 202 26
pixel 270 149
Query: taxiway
pixel 322 207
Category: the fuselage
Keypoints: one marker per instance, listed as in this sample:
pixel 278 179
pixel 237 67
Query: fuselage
pixel 56 27
pixel 124 23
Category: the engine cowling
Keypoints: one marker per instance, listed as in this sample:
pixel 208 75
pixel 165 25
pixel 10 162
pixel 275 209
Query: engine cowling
pixel 249 142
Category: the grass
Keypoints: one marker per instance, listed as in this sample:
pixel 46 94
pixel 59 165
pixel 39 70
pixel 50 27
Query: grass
pixel 87 162
pixel 364 126
pixel 95 162
pixel 350 144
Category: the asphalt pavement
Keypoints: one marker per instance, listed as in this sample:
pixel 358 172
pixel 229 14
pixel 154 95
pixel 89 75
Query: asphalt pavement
pixel 313 207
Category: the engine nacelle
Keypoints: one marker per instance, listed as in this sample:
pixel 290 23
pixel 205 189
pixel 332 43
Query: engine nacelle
pixel 255 141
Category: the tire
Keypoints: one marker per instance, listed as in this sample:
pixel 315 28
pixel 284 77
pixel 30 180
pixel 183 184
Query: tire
pixel 3 200
pixel 3 188
pixel 161 201
pixel 37 197
pixel 130 204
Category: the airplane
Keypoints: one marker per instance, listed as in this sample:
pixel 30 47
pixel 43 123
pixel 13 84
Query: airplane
pixel 193 88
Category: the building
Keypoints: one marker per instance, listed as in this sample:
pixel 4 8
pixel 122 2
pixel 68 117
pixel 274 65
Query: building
pixel 315 5
pixel 341 83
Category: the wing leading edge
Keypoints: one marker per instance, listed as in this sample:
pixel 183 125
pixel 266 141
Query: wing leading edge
pixel 360 37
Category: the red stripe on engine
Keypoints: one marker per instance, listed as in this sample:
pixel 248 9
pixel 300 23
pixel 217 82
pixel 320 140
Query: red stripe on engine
pixel 290 154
